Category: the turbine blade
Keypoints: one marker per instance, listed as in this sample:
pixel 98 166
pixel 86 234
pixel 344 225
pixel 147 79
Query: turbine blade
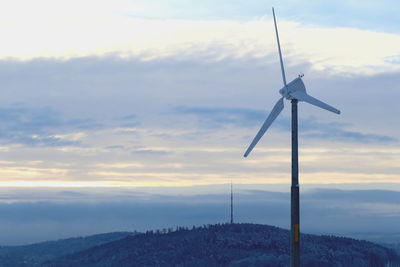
pixel 271 117
pixel 303 96
pixel 279 49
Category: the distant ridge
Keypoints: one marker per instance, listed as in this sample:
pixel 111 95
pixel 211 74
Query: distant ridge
pixel 36 254
pixel 229 245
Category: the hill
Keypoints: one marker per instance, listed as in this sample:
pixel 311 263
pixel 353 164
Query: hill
pixel 36 254
pixel 228 245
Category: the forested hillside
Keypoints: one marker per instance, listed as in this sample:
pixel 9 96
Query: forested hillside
pixel 228 245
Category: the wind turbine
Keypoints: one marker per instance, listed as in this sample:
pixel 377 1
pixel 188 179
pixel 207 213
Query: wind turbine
pixel 294 91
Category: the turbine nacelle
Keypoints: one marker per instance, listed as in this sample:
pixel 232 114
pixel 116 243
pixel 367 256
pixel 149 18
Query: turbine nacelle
pixel 297 90
pixel 294 86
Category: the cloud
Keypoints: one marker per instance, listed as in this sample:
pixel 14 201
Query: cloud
pixel 344 50
pixel 368 15
pixel 34 126
pixel 46 126
pixel 219 116
pixel 128 121
pixel 216 117
pixel 42 126
pixel 336 131
pixel 109 108
pixel 352 136
pixel 150 151
pixel 89 211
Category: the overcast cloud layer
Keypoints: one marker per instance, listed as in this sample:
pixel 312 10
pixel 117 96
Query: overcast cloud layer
pixel 112 121
pixel 69 213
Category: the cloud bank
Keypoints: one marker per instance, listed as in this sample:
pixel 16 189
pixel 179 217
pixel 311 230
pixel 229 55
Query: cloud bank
pixel 124 122
pixel 79 30
pixel 83 212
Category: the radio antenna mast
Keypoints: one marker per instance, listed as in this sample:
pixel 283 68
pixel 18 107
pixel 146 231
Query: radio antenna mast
pixel 231 203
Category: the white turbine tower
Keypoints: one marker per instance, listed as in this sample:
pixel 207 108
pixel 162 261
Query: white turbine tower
pixel 294 91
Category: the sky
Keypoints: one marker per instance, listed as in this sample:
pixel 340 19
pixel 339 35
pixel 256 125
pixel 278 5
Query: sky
pixel 163 97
